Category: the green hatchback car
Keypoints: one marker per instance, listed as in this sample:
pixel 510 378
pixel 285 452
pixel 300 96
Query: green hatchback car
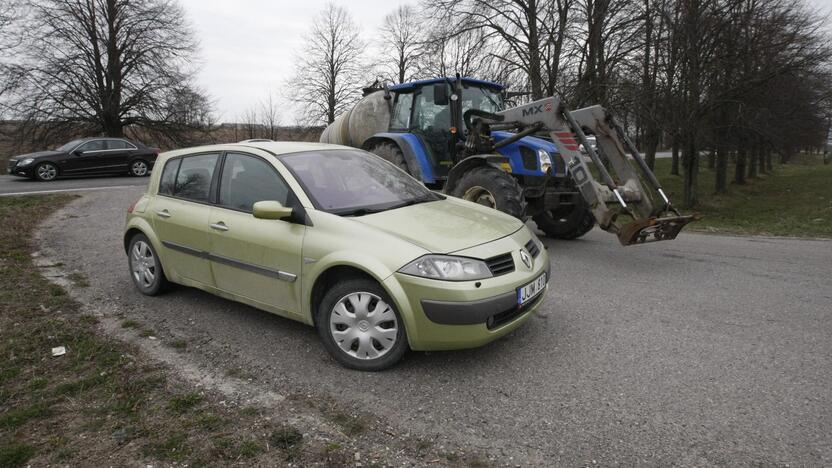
pixel 339 239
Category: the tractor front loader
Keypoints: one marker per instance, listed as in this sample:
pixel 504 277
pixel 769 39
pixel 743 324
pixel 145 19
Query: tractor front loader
pixel 620 202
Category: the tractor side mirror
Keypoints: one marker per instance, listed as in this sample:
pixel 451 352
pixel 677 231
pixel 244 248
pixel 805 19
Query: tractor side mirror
pixel 440 94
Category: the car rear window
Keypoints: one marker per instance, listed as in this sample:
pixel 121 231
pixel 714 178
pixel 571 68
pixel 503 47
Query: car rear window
pixel 194 179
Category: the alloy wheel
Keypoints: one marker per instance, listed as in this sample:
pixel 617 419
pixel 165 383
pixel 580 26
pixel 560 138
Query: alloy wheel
pixel 47 172
pixel 363 326
pixel 139 168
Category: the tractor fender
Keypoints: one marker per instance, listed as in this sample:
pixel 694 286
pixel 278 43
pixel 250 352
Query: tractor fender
pixel 415 154
pixel 499 161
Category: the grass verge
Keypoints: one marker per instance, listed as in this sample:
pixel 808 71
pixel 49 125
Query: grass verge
pixel 793 201
pixel 102 403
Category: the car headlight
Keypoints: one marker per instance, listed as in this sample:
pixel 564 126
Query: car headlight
pixel 446 267
pixel 25 162
pixel 545 160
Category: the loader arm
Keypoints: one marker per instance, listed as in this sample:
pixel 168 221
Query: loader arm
pixel 634 208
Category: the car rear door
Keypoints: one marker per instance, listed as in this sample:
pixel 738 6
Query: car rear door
pixel 258 259
pixel 115 158
pixel 181 213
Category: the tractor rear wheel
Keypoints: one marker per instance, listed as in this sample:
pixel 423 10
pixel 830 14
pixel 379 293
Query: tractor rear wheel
pixel 391 153
pixel 493 188
pixel 566 222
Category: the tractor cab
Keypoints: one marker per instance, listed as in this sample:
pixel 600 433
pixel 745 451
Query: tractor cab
pixel 432 110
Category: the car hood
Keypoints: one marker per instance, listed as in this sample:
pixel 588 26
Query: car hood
pixel 444 226
pixel 37 155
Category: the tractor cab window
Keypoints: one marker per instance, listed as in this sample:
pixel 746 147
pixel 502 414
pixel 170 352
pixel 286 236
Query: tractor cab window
pixel 401 111
pixel 429 116
pixel 484 99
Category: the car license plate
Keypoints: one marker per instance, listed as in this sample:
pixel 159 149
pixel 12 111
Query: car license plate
pixel 531 290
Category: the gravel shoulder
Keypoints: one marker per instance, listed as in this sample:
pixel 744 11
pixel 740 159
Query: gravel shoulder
pixel 705 350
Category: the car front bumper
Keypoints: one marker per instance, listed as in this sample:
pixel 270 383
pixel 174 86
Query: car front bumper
pixel 442 315
pixel 14 169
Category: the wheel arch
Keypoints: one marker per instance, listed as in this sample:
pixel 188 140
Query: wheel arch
pixel 138 225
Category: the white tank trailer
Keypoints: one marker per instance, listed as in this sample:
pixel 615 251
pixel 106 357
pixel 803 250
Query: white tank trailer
pixel 369 116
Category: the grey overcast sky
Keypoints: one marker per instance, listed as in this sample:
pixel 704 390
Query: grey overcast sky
pixel 248 46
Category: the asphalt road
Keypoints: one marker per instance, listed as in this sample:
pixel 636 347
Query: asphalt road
pixel 707 350
pixel 12 185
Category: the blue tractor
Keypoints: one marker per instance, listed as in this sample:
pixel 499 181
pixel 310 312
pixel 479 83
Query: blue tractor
pixel 456 135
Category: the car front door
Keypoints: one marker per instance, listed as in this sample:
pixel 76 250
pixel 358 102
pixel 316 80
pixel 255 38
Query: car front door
pixel 258 259
pixel 86 159
pixel 180 215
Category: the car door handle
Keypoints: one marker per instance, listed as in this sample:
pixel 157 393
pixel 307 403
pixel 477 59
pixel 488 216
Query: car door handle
pixel 163 214
pixel 220 226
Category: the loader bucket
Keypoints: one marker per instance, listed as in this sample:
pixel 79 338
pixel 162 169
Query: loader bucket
pixel 653 229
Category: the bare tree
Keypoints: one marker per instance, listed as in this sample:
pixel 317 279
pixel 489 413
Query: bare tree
pixel 329 73
pixel 106 65
pixel 531 33
pixel 270 117
pixel 402 44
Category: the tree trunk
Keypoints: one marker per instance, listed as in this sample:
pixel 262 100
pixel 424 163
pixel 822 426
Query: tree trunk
pixel 769 161
pixel 674 164
pixel 752 162
pixel 721 178
pixel 691 165
pixel 712 158
pixel 739 169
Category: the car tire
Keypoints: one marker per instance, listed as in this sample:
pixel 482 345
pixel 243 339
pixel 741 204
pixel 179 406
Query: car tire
pixel 350 331
pixel 45 172
pixel 145 267
pixel 139 168
pixel 492 187
pixel 391 153
pixel 566 222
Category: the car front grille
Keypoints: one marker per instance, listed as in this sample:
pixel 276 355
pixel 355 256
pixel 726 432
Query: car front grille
pixel 532 248
pixel 501 264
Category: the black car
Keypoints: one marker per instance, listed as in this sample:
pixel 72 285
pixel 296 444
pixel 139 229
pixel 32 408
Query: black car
pixel 84 157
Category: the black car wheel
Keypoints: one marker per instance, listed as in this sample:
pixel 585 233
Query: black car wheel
pixel 45 172
pixel 139 168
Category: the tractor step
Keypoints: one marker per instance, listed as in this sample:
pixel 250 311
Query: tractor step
pixel 653 229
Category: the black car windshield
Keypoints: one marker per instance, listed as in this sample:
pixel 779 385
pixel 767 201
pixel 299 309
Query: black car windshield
pixel 69 146
pixel 354 183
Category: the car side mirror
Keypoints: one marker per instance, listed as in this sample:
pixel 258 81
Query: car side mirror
pixel 269 209
pixel 440 94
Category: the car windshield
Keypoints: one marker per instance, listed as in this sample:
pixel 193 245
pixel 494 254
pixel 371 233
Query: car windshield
pixel 355 183
pixel 72 144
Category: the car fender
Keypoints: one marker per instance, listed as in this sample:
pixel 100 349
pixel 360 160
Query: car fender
pixel 365 263
pixel 499 161
pixel 415 154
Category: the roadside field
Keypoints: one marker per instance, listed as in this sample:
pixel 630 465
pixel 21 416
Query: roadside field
pixel 795 200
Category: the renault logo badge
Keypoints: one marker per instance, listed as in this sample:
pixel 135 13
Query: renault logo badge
pixel 527 259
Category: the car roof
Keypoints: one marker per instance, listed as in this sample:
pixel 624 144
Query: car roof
pixel 276 148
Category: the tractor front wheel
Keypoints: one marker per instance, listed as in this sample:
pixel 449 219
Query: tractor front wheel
pixel 493 188
pixel 566 222
pixel 391 153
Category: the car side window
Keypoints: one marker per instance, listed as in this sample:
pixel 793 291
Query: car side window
pixel 246 180
pixel 95 145
pixel 117 144
pixel 168 179
pixel 193 181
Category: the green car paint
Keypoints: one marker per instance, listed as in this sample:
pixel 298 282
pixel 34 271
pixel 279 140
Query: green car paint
pixel 274 264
